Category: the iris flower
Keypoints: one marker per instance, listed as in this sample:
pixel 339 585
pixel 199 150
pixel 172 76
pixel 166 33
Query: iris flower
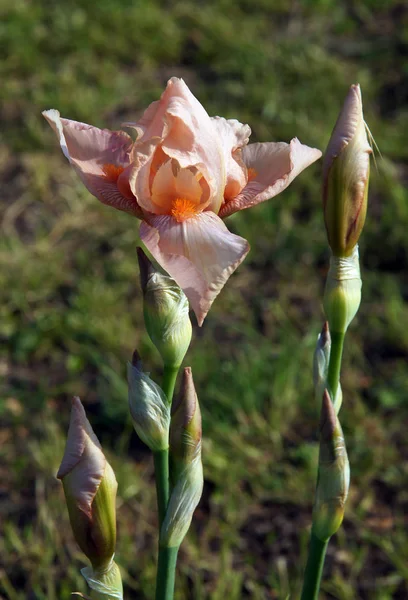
pixel 182 176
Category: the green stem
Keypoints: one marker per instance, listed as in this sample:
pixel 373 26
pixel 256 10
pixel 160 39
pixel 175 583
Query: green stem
pixel 314 568
pixel 336 352
pixel 317 549
pixel 169 381
pixel 166 567
pixel 161 472
pixel 166 573
pixel 161 457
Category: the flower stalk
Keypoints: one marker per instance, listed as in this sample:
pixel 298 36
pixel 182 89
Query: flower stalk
pixel 186 477
pixel 345 191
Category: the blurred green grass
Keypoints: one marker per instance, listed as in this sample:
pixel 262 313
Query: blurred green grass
pixel 70 306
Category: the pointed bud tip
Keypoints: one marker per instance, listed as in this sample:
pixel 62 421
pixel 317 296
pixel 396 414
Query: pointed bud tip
pixel 328 418
pixel 146 268
pixel 79 430
pixel 187 395
pixel 137 361
pixel 324 337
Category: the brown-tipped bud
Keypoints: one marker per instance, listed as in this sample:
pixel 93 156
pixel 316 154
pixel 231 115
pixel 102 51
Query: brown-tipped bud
pixel 185 428
pixel 186 467
pixel 165 311
pixel 321 361
pixel 346 170
pixel 90 490
pixel 333 476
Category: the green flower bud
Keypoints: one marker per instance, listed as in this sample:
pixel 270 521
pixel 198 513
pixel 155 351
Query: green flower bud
pixel 165 312
pixel 90 490
pixel 346 170
pixel 333 476
pixel 186 473
pixel 148 407
pixel 342 294
pixel 321 361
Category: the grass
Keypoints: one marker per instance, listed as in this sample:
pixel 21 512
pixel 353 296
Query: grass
pixel 70 303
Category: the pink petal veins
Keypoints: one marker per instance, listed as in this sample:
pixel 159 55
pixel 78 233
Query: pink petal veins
pixel 100 157
pixel 273 166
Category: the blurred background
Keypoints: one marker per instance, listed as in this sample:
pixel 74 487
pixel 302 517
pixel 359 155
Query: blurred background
pixel 70 301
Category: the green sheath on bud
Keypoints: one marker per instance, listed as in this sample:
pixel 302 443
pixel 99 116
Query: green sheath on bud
pixel 149 408
pixel 321 361
pixel 165 312
pixel 333 475
pixel 342 294
pixel 186 471
pixel 346 170
pixel 106 584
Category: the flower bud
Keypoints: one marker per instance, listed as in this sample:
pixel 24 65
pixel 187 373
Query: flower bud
pixel 321 361
pixel 185 428
pixel 342 294
pixel 148 407
pixel 165 312
pixel 333 476
pixel 185 464
pixel 90 490
pixel 346 170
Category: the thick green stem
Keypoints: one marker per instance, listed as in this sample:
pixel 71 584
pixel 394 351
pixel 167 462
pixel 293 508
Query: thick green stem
pixel 166 573
pixel 314 568
pixel 317 548
pixel 161 472
pixel 336 352
pixel 166 567
pixel 161 457
pixel 169 381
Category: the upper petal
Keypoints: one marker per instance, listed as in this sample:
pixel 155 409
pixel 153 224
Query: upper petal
pixel 186 134
pixel 234 135
pixel 199 253
pixel 99 156
pixel 274 166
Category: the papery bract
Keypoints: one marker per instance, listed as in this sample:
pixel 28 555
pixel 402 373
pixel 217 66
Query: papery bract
pixel 184 173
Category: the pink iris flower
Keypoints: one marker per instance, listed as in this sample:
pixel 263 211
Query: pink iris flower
pixel 182 176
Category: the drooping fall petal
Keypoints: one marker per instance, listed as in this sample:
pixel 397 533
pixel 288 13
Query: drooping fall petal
pixel 271 168
pixel 100 157
pixel 199 253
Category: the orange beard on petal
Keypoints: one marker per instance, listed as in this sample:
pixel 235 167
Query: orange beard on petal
pixel 112 172
pixel 183 209
pixel 251 174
